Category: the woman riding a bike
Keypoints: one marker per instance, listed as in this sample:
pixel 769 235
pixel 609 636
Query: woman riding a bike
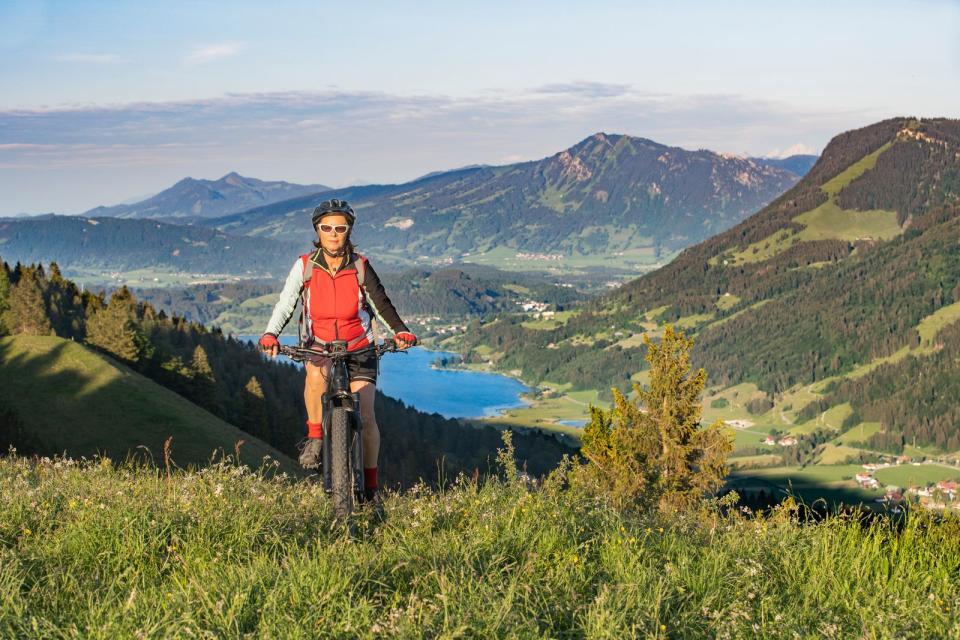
pixel 342 299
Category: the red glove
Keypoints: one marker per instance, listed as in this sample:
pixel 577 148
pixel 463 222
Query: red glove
pixel 405 336
pixel 268 342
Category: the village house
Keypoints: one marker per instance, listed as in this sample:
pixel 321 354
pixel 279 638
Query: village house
pixel 948 488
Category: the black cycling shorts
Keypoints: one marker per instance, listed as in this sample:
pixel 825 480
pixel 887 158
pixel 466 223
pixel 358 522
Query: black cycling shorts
pixel 361 367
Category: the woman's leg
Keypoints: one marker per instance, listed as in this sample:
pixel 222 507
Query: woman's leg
pixel 371 432
pixel 315 387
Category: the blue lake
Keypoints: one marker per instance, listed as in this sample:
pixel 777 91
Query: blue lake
pixel 451 393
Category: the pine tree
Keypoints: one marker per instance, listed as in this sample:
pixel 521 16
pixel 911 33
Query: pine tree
pixel 4 295
pixel 64 305
pixel 254 407
pixel 651 452
pixel 113 328
pixel 203 390
pixel 27 312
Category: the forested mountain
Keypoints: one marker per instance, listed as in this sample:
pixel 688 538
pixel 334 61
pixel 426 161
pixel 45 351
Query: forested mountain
pixel 850 280
pixel 226 378
pixel 609 193
pixel 112 244
pixel 191 198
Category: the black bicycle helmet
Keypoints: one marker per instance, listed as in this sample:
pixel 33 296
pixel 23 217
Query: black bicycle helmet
pixel 334 206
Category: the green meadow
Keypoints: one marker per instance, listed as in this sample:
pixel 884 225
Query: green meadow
pixel 93 550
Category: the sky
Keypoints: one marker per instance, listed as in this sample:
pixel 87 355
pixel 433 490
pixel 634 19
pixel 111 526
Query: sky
pixel 106 101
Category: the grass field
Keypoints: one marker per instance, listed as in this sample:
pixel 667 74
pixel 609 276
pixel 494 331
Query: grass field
pixel 760 460
pixel 909 475
pixel 546 413
pixel 932 324
pixel 860 433
pixel 727 301
pixel 103 552
pixel 559 318
pixel 836 454
pixel 72 398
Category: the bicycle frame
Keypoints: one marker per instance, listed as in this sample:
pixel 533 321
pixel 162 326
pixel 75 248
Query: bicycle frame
pixel 339 396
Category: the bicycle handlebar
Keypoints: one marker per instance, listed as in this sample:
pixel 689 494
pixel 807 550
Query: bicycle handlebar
pixel 302 353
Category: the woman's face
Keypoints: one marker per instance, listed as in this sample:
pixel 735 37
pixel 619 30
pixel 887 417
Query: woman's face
pixel 332 240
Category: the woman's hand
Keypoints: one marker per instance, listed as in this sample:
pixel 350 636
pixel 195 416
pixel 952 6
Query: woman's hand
pixel 405 340
pixel 269 344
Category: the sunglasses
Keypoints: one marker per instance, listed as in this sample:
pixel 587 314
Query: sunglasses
pixel 340 228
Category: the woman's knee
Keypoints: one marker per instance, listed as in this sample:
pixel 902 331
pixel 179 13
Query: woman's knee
pixel 316 378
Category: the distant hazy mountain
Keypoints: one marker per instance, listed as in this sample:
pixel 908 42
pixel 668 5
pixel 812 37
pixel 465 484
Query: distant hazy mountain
pixel 108 244
pixel 798 164
pixel 608 193
pixel 192 198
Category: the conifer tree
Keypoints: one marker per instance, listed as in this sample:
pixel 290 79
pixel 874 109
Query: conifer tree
pixel 651 452
pixel 254 407
pixel 203 389
pixel 4 296
pixel 113 328
pixel 27 312
pixel 64 305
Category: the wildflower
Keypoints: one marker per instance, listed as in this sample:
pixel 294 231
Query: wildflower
pixel 663 628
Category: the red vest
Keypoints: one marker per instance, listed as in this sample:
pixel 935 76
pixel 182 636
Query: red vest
pixel 334 304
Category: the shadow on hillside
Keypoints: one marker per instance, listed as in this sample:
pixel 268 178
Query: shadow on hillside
pixel 815 497
pixel 59 397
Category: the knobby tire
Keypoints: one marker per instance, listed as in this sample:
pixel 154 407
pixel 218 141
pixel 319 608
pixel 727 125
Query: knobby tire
pixel 341 479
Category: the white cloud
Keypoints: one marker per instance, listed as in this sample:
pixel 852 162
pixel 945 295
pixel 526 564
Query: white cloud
pixel 217 51
pixel 796 149
pixel 97 153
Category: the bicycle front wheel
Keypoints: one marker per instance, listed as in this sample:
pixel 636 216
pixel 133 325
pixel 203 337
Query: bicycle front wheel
pixel 341 482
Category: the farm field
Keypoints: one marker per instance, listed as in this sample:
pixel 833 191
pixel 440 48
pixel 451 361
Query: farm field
pixel 907 475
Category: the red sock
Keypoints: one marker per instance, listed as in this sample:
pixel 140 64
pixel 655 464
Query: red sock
pixel 370 478
pixel 314 429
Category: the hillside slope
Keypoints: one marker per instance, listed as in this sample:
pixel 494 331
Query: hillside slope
pixel 193 199
pixel 853 275
pixel 68 398
pixel 606 194
pixel 112 553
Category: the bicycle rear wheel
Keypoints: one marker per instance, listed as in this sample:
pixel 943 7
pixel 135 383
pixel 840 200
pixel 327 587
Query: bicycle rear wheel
pixel 341 481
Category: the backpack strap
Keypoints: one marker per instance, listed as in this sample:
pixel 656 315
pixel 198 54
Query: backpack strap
pixel 305 325
pixel 361 266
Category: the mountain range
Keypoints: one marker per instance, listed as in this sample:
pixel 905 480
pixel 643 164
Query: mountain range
pixel 192 199
pixel 606 194
pixel 611 200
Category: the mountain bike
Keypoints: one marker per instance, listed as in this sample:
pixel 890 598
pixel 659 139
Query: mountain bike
pixel 342 457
